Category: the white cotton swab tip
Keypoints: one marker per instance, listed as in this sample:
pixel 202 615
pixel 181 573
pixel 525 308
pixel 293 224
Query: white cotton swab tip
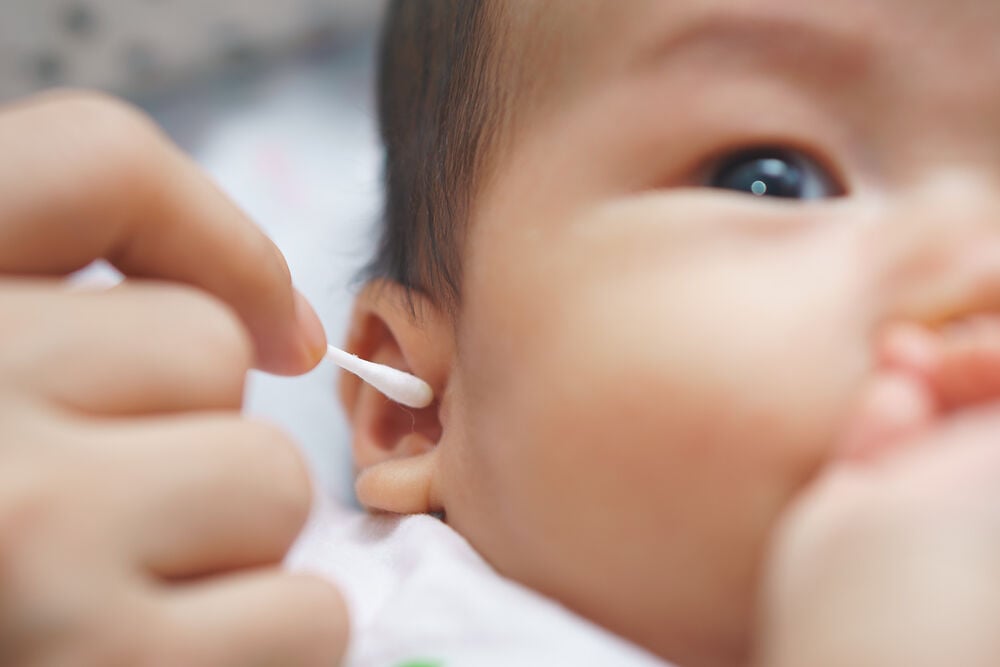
pixel 400 386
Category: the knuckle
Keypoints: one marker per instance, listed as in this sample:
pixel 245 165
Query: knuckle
pixel 215 329
pixel 22 339
pixel 101 640
pixel 27 503
pixel 112 121
pixel 106 647
pixel 332 626
pixel 124 138
pixel 262 253
pixel 276 260
pixel 292 486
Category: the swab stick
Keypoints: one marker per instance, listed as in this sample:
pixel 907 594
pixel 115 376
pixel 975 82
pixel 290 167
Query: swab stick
pixel 401 387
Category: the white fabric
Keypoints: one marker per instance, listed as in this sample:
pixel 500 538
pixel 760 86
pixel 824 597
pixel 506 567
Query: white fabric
pixel 419 594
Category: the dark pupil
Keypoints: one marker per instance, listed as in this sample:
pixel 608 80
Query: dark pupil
pixel 767 176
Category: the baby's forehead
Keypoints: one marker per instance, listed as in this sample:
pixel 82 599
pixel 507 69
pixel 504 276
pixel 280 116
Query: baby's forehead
pixel 557 46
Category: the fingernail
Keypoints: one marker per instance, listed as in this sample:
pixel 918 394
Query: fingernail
pixel 895 406
pixel 313 334
pixel 911 348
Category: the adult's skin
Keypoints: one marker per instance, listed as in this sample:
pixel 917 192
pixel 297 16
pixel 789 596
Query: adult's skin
pixel 142 518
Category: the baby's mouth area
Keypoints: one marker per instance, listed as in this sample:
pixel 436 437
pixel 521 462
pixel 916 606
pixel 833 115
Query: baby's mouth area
pixel 923 375
pixel 959 359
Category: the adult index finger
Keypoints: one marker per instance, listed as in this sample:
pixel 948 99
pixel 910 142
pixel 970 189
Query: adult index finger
pixel 85 176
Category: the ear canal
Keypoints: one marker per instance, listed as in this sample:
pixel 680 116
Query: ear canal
pixel 400 485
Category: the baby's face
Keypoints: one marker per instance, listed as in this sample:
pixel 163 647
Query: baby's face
pixel 650 369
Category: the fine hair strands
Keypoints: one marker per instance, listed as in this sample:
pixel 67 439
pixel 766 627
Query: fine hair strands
pixel 441 109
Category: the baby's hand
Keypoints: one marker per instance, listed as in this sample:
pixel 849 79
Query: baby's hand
pixel 893 557
pixel 923 378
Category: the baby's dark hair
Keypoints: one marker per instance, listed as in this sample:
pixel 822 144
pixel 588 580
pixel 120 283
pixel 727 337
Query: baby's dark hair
pixel 440 111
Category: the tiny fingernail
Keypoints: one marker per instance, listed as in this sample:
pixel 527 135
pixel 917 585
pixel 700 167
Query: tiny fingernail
pixel 911 348
pixel 313 334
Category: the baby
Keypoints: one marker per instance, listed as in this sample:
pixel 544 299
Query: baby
pixel 641 251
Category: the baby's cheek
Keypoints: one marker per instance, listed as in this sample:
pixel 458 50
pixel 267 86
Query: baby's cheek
pixel 720 368
pixel 646 456
pixel 699 375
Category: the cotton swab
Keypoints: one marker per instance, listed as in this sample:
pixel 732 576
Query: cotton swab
pixel 401 387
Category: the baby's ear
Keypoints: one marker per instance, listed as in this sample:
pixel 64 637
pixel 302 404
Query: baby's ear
pixel 395 447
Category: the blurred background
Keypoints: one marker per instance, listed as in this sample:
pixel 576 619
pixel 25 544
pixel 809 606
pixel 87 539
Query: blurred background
pixel 275 99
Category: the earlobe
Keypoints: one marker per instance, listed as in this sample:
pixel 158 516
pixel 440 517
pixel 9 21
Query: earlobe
pixel 395 448
pixel 401 485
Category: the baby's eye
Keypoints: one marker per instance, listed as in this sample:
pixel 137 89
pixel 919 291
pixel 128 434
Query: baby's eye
pixel 774 173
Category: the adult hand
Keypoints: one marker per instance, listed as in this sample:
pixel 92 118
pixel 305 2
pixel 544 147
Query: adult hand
pixel 893 557
pixel 142 519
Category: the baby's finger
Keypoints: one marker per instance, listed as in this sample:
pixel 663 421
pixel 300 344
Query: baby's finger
pixel 961 362
pixel 207 494
pixel 139 348
pixel 968 371
pixel 894 407
pixel 85 177
pixel 263 619
pixel 909 348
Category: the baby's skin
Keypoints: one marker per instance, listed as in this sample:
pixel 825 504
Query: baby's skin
pixel 891 559
pixel 650 364
pixel 923 377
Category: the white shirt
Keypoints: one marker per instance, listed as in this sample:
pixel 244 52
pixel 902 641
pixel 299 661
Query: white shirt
pixel 417 593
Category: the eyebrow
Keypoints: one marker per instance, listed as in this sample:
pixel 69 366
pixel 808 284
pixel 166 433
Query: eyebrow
pixel 790 43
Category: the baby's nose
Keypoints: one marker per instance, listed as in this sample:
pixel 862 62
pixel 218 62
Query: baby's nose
pixel 937 249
